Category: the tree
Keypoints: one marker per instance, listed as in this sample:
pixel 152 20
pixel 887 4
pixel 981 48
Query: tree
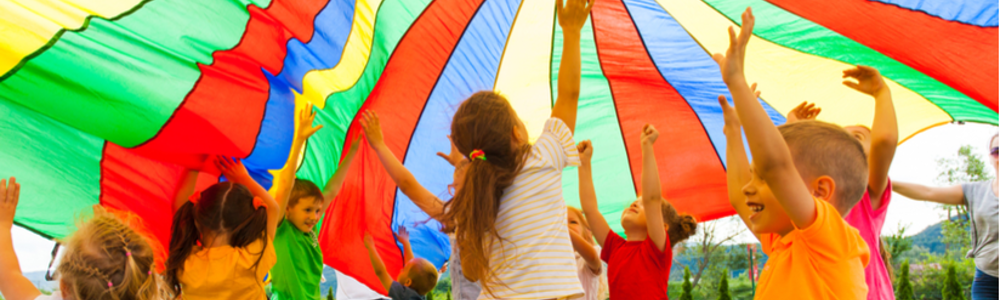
pixel 965 166
pixel 724 286
pixel 686 287
pixel 329 294
pixel 897 243
pixel 952 289
pixel 708 243
pixel 904 289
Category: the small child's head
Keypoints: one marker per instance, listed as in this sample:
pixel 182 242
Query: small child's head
pixel 679 227
pixel 226 211
pixel 304 205
pixel 832 165
pixel 578 224
pixel 487 125
pixel 106 259
pixel 863 134
pixel 419 275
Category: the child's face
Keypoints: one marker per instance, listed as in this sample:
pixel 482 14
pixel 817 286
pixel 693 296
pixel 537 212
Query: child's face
pixel 862 134
pixel 305 214
pixel 634 217
pixel 575 224
pixel 766 214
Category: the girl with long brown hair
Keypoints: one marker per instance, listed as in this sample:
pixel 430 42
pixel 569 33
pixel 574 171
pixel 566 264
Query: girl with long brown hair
pixel 508 217
pixel 222 241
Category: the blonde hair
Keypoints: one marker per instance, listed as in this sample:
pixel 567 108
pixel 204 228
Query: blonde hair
pixel 107 259
pixel 588 234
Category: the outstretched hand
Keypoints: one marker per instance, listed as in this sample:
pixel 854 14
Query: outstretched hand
pixel 233 169
pixel 586 150
pixel 402 234
pixel 732 120
pixel 869 80
pixel 9 194
pixel 731 64
pixel 368 240
pixel 573 14
pixel 649 134
pixel 805 111
pixel 453 158
pixel 306 117
pixel 373 128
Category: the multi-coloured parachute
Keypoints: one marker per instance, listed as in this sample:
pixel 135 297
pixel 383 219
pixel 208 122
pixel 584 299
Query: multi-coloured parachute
pixel 107 102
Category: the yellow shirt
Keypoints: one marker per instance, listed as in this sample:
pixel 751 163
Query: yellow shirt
pixel 227 272
pixel 823 261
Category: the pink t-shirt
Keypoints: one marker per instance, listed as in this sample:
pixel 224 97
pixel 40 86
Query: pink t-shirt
pixel 869 220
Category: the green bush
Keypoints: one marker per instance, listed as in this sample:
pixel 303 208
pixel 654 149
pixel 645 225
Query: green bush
pixel 686 286
pixel 952 289
pixel 724 286
pixel 904 289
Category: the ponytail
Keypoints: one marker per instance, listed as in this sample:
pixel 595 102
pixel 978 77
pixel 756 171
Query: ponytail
pixel 184 236
pixel 679 226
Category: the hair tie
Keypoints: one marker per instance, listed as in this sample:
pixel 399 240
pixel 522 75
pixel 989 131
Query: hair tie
pixel 258 203
pixel 477 154
pixel 194 198
pixel 110 284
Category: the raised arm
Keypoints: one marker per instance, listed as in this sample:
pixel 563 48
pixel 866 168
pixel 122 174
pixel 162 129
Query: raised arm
pixel 587 251
pixel 336 182
pixel 737 164
pixel 237 173
pixel 377 265
pixel 588 198
pixel 13 284
pixel 186 188
pixel 772 159
pixel 285 180
pixel 424 199
pixel 951 195
pixel 652 197
pixel 404 238
pixel 572 16
pixel 885 134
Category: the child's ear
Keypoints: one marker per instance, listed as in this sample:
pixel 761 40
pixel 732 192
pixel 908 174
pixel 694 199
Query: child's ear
pixel 823 188
pixel 407 282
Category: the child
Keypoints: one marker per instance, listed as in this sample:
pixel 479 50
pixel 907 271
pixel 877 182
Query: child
pixel 104 259
pixel 462 288
pixel 299 268
pixel 638 266
pixel 588 256
pixel 507 217
pixel 221 246
pixel 805 176
pixel 879 144
pixel 417 278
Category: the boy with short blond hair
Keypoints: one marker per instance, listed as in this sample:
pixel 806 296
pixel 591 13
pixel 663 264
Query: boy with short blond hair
pixel 805 177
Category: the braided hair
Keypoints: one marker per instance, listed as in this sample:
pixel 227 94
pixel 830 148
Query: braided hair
pixel 107 259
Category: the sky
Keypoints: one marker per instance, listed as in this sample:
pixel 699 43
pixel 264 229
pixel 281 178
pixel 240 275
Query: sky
pixel 915 161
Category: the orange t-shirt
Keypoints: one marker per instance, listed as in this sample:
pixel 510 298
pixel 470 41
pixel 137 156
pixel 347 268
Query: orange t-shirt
pixel 823 261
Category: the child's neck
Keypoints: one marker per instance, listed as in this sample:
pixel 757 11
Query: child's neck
pixel 215 240
pixel 636 234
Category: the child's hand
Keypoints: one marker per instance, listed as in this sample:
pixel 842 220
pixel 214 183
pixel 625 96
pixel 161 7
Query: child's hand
pixel 305 128
pixel 372 127
pixel 453 158
pixel 805 111
pixel 573 14
pixel 232 169
pixel 869 80
pixel 402 235
pixel 731 64
pixel 586 150
pixel 368 240
pixel 354 147
pixel 649 134
pixel 9 194
pixel 732 120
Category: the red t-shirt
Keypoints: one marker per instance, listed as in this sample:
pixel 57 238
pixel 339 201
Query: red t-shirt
pixel 636 270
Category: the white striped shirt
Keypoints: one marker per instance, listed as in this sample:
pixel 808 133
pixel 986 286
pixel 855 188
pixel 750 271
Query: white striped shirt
pixel 535 258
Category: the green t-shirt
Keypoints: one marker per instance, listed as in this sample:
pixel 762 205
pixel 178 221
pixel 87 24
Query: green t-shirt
pixel 297 273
